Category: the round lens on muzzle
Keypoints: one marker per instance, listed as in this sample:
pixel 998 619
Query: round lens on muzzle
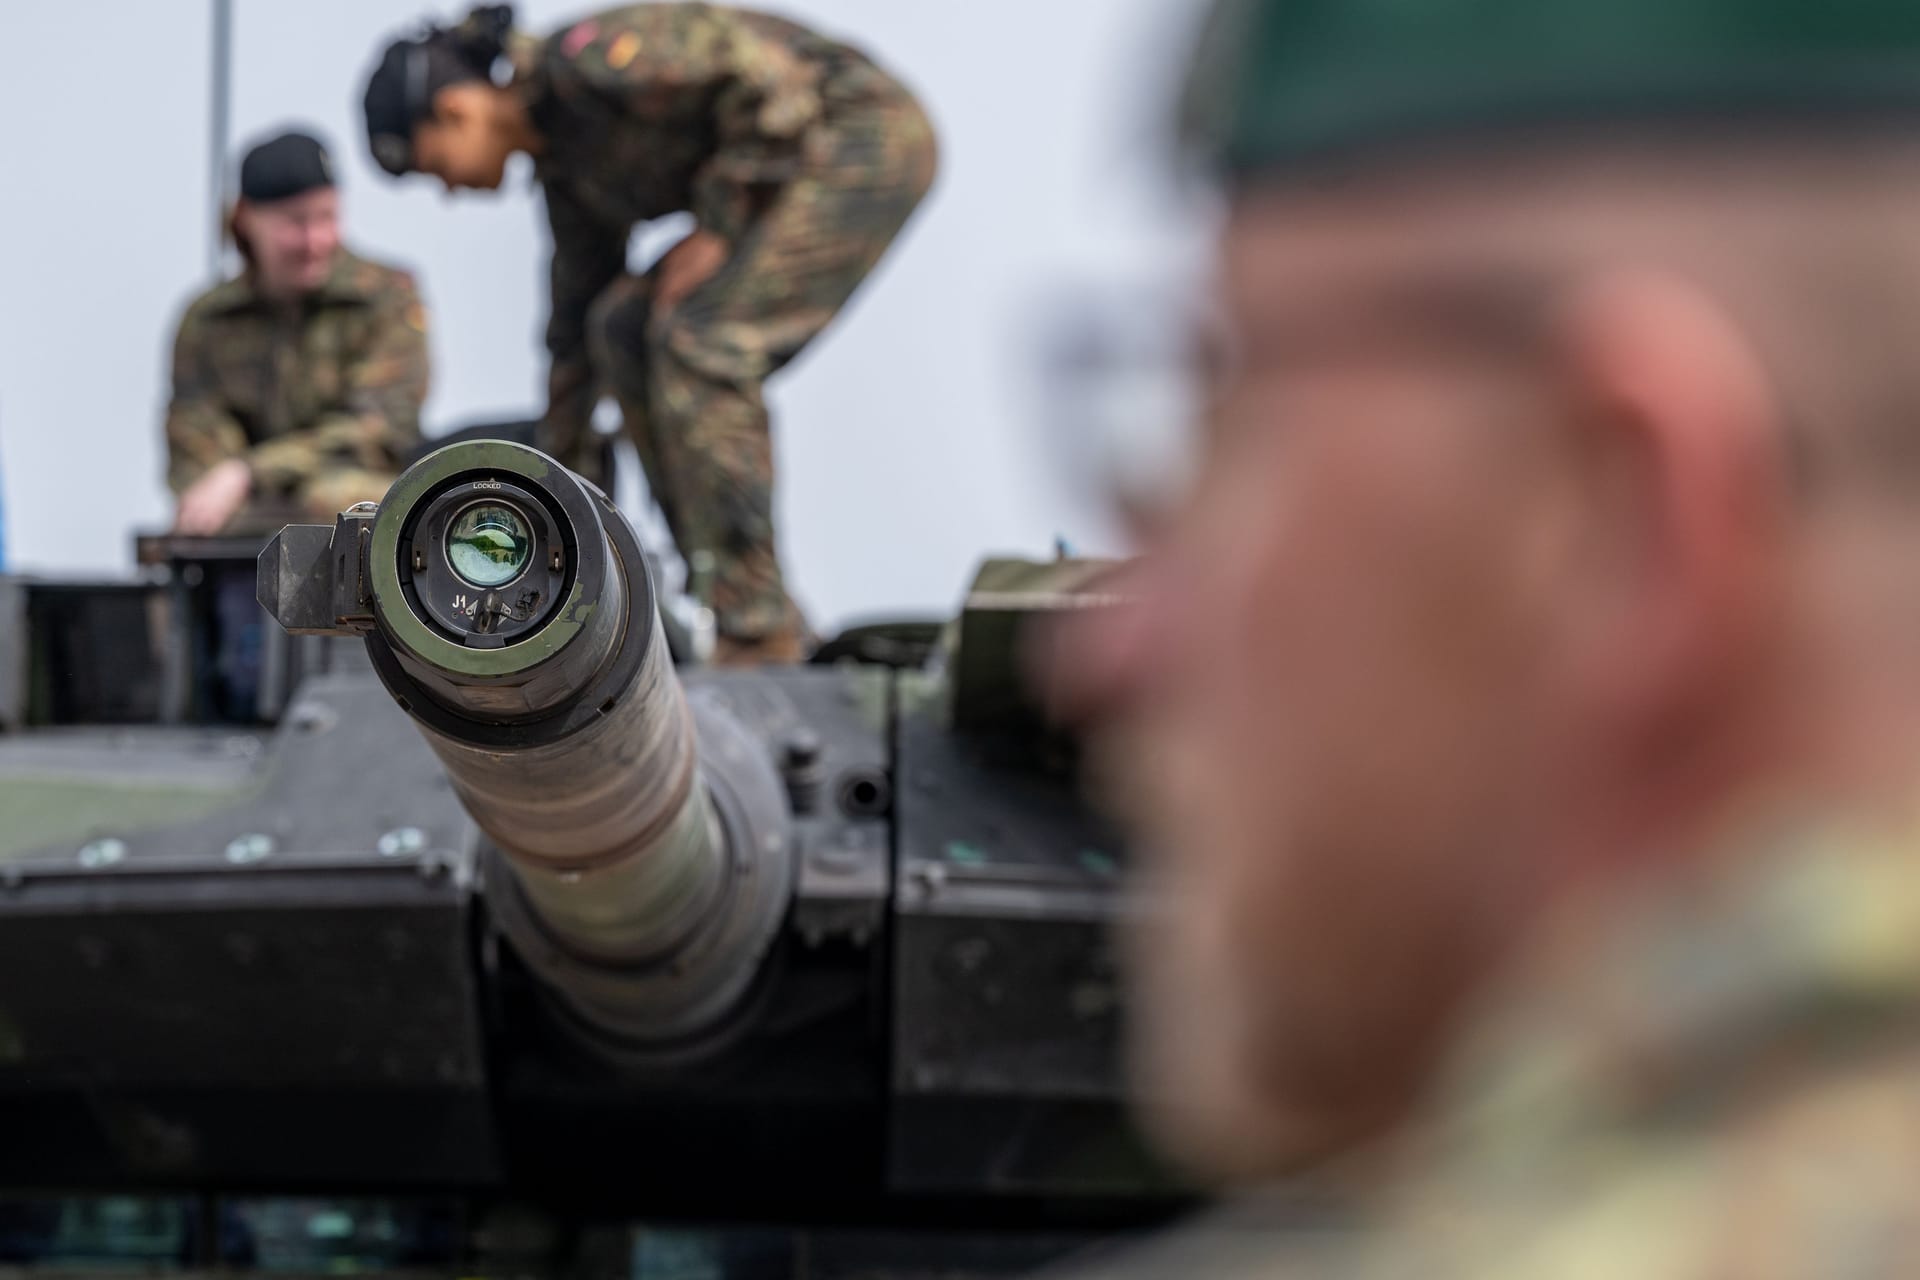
pixel 489 545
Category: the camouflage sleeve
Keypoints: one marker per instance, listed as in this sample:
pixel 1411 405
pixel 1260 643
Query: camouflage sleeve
pixel 765 93
pixel 200 431
pixel 378 420
pixel 587 257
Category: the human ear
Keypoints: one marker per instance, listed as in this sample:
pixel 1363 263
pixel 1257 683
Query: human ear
pixel 1684 476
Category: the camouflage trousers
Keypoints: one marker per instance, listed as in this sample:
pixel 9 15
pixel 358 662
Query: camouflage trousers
pixel 689 382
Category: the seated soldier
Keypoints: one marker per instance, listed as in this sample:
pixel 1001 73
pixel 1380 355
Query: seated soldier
pixel 297 384
pixel 296 390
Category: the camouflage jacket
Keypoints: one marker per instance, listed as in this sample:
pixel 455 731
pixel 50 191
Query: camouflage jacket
pixel 654 109
pixel 333 383
pixel 1719 1079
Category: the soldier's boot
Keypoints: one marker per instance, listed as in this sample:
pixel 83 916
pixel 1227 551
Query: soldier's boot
pixel 756 622
pixel 787 646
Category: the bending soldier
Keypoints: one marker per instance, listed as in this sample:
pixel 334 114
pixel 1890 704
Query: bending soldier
pixel 800 161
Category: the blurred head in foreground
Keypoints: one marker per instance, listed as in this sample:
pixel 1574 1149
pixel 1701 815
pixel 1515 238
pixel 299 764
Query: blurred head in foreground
pixel 1559 511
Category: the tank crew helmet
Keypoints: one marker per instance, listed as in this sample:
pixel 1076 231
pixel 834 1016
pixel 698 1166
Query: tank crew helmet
pixel 400 92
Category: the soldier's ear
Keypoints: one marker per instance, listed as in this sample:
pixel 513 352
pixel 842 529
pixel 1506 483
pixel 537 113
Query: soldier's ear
pixel 446 109
pixel 457 107
pixel 1687 494
pixel 235 226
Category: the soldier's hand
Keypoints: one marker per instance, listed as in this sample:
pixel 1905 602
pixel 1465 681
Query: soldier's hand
pixel 686 267
pixel 214 498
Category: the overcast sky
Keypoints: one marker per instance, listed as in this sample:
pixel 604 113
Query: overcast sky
pixel 913 438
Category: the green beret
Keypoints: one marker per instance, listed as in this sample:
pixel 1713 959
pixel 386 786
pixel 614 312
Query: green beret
pixel 1285 82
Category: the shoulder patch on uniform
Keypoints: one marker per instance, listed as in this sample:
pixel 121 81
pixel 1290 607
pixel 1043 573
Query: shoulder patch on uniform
pixel 580 37
pixel 623 50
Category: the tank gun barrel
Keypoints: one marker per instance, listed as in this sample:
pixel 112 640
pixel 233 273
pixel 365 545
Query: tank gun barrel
pixel 638 859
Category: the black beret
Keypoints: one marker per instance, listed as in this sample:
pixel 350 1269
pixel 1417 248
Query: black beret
pixel 283 167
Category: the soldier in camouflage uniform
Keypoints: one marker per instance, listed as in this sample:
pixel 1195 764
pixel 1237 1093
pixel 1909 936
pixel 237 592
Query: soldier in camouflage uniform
pixel 297 384
pixel 800 161
pixel 1522 709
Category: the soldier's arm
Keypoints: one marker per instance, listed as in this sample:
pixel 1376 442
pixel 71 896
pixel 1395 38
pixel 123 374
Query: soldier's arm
pixel 770 103
pixel 379 419
pixel 587 257
pixel 766 97
pixel 200 431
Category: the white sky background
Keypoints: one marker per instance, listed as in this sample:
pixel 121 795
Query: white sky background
pixel 913 438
